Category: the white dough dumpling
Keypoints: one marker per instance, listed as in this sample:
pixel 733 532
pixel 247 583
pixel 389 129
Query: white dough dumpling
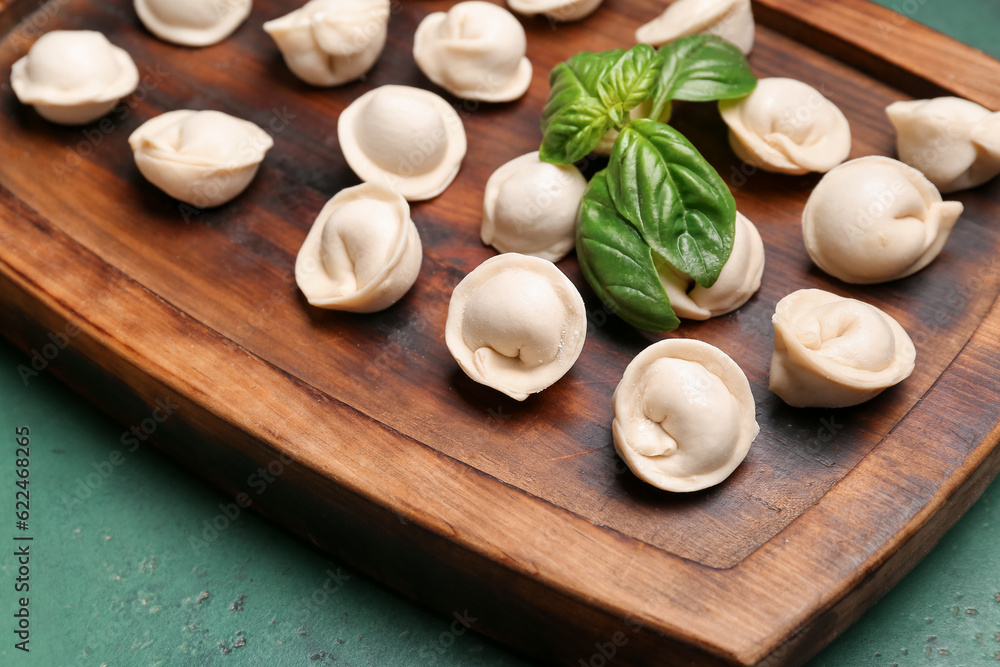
pixel 684 415
pixel 955 143
pixel 557 10
pixel 193 22
pixel 202 158
pixel 787 126
pixel 331 42
pixel 876 219
pixel 73 77
pixel 737 282
pixel 516 323
pixel 530 207
pixel 731 20
pixel 833 352
pixel 408 138
pixel 363 252
pixel 475 51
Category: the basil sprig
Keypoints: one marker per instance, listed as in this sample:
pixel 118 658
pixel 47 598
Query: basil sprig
pixel 659 205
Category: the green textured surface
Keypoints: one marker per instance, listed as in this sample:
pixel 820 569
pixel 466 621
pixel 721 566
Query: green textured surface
pixel 115 578
pixel 974 22
pixel 125 571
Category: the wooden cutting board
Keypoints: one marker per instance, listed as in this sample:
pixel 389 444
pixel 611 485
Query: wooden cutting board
pixel 360 433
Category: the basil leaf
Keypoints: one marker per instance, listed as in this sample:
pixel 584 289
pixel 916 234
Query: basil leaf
pixel 572 134
pixel 629 81
pixel 618 264
pixel 575 102
pixel 700 68
pixel 678 203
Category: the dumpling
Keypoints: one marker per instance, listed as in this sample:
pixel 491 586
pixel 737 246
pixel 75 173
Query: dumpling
pixel 684 415
pixel 408 138
pixel 731 20
pixel 876 219
pixel 557 10
pixel 738 281
pixel 954 142
pixel 530 207
pixel 832 352
pixel 73 77
pixel 192 22
pixel 363 252
pixel 788 127
pixel 330 42
pixel 475 51
pixel 203 158
pixel 516 323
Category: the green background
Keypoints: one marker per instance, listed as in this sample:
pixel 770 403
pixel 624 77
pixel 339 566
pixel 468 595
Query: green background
pixel 116 578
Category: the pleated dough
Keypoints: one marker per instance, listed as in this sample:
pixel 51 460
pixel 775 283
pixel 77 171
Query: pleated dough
pixel 876 219
pixel 363 252
pixel 955 143
pixel 203 158
pixel 684 415
pixel 731 20
pixel 73 77
pixel 516 323
pixel 331 42
pixel 787 126
pixel 408 138
pixel 475 51
pixel 833 352
pixel 193 22
pixel 530 207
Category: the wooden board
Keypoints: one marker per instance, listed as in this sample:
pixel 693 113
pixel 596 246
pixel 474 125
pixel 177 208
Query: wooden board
pixel 376 447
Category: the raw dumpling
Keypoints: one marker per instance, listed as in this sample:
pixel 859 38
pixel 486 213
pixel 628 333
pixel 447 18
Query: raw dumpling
pixel 954 142
pixel 408 138
pixel 731 20
pixel 330 42
pixel 530 207
pixel 516 323
pixel 684 415
pixel 832 352
pixel 788 127
pixel 475 51
pixel 557 10
pixel 363 252
pixel 203 158
pixel 738 281
pixel 73 77
pixel 876 219
pixel 192 22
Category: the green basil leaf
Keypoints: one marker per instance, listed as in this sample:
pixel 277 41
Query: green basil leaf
pixel 591 67
pixel 575 102
pixel 700 68
pixel 574 132
pixel 629 81
pixel 678 203
pixel 618 264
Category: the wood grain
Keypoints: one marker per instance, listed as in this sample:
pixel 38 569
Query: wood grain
pixel 392 458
